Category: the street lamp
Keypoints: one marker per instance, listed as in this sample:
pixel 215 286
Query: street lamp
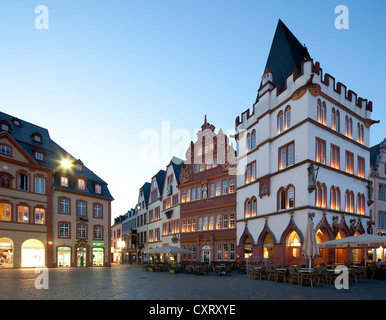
pixel 65 163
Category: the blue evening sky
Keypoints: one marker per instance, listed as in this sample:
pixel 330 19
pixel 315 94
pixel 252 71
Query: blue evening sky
pixel 106 73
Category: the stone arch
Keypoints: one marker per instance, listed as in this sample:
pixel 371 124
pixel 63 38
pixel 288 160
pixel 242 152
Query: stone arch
pixel 266 230
pixel 291 227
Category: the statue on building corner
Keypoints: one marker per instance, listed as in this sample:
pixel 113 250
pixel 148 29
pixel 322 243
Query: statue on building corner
pixel 312 176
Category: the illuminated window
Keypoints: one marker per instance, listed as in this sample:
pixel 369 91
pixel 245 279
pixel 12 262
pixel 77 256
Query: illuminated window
pixel 5 212
pixel 321 112
pixel 40 216
pixel 268 247
pixel 349 201
pixel 335 198
pixel 294 242
pixel 250 174
pixel 335 156
pixel 349 162
pixel 320 195
pixel 218 222
pixel 23 214
pixel 287 117
pixel 81 184
pixel 320 151
pixel 64 181
pixel 361 209
pixel 232 186
pixel 98 188
pixel 218 188
pixel 348 127
pixel 361 167
pixel 286 156
pixel 247 209
pixel 280 122
pixel 253 139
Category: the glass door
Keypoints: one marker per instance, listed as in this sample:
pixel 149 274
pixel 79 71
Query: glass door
pixel 81 257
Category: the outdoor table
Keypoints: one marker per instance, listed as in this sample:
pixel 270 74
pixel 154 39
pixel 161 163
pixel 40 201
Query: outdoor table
pixel 221 268
pixel 306 270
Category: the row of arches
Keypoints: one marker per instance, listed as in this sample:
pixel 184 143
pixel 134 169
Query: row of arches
pixel 32 253
pixel 335 199
pixel 288 249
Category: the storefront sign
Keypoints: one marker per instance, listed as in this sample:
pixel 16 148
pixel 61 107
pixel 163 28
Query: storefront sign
pixel 98 244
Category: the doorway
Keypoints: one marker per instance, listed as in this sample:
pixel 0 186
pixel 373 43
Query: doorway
pixel 205 254
pixel 81 257
pixel 64 257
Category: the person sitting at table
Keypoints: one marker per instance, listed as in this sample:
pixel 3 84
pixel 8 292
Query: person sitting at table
pixel 380 264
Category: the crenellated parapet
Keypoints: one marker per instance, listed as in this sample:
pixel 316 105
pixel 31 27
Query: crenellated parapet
pixel 311 74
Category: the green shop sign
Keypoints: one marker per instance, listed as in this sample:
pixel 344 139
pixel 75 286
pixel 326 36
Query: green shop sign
pixel 98 244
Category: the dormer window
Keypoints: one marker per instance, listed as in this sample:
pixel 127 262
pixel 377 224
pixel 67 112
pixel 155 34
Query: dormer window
pixel 64 181
pixel 39 155
pixel 81 185
pixel 79 165
pixel 98 188
pixel 36 136
pixel 16 122
pixel 5 125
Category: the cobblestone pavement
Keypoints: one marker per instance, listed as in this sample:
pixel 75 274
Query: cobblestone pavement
pixel 130 282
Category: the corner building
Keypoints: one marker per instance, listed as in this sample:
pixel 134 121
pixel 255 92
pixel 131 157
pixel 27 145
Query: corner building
pixel 304 149
pixel 54 211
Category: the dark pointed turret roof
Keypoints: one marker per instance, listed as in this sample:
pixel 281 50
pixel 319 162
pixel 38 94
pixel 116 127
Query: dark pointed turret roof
pixel 286 54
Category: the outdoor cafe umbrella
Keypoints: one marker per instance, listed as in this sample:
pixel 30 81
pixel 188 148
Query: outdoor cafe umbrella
pixel 169 249
pixel 310 245
pixel 362 241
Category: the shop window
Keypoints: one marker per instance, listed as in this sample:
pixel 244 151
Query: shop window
pixel 6 253
pixel 32 253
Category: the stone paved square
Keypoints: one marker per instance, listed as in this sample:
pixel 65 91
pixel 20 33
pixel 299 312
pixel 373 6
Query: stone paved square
pixel 131 282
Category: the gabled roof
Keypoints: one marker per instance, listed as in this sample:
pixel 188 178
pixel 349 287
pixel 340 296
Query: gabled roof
pixel 54 153
pixel 160 177
pixel 286 54
pixel 176 163
pixel 146 191
pixel 374 154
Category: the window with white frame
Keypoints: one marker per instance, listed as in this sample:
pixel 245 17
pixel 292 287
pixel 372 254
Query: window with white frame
pixel 40 185
pixel 98 232
pixel 382 219
pixel 64 230
pixel 64 205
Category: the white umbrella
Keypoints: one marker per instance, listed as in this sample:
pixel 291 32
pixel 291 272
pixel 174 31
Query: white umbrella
pixel 169 249
pixel 310 245
pixel 362 241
